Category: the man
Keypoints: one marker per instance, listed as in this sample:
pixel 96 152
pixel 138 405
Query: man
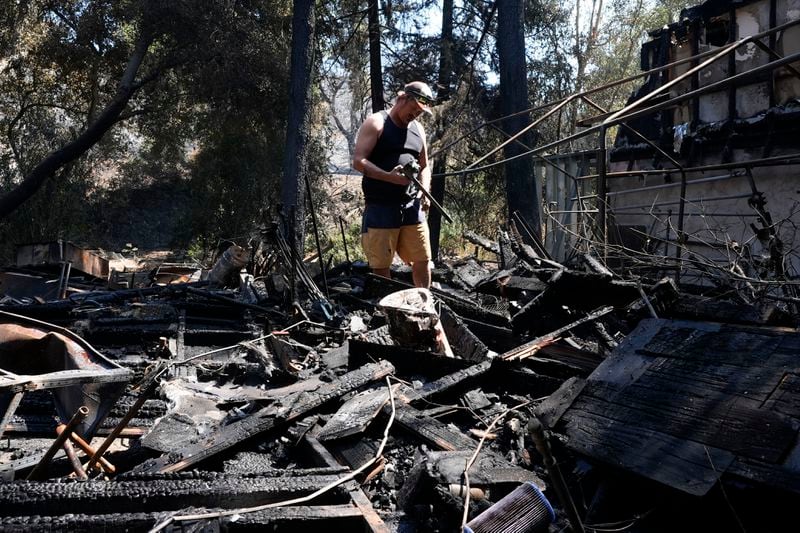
pixel 394 214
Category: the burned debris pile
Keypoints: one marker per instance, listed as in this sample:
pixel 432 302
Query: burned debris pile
pixel 517 394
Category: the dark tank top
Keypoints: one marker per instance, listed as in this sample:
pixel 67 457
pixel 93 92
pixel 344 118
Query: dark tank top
pixel 395 146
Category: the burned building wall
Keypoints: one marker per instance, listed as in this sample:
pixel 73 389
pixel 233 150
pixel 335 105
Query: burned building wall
pixel 744 136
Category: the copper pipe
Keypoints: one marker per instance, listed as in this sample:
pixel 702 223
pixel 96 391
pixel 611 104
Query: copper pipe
pixel 87 449
pixel 77 467
pixel 145 393
pixel 41 467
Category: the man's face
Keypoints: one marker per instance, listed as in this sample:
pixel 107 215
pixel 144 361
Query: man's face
pixel 411 108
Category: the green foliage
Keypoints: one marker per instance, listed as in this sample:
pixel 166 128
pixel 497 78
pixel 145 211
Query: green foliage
pixel 337 254
pixel 199 152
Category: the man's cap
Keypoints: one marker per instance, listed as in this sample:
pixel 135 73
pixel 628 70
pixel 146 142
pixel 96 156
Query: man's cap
pixel 422 94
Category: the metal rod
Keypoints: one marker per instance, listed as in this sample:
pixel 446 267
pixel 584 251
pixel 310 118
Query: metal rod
pixel 61 279
pixel 721 84
pixel 409 172
pixel 691 214
pixel 63 293
pixel 143 395
pixel 41 467
pixel 344 240
pixel 776 55
pixel 77 467
pixel 602 200
pixel 87 449
pixel 693 200
pixel 521 132
pixel 655 70
pixel 536 431
pixel 647 141
pixel 533 236
pixel 316 236
pixel 671 185
pixel 781 160
pixel 618 118
pixel 681 212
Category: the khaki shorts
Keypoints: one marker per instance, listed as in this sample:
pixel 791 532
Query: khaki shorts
pixel 412 243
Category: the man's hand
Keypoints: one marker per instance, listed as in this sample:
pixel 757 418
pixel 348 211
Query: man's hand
pixel 425 203
pixel 397 175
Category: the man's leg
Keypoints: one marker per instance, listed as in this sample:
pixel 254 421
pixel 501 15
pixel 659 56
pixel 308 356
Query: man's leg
pixel 384 272
pixel 379 246
pixel 421 274
pixel 414 247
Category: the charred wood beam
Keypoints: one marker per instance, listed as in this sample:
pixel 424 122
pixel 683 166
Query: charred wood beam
pixel 292 407
pixel 596 266
pixel 483 242
pixel 432 431
pixel 578 291
pixel 404 359
pixel 529 348
pixel 157 494
pixel 322 456
pixel 236 303
pixel 300 518
pixel 445 383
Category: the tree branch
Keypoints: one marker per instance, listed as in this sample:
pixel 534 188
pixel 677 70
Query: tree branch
pixel 91 135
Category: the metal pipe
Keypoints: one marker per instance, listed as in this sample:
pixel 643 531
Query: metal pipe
pixel 661 88
pixel 344 241
pixel 602 200
pixel 618 118
pixel 693 200
pixel 647 141
pixel 709 179
pixel 781 160
pixel 63 293
pixel 41 467
pixel 87 449
pixel 655 70
pixel 521 132
pixel 691 214
pixel 61 279
pixel 316 236
pixel 536 431
pixel 77 467
pixel 143 395
pixel 721 84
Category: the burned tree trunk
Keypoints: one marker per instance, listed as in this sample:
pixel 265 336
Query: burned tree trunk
pixel 443 92
pixel 296 166
pixel 375 68
pixel 521 186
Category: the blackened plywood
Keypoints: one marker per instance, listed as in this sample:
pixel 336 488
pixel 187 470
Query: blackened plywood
pixel 355 414
pixel 680 402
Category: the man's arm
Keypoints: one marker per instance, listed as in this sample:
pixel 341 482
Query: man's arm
pixel 366 139
pixel 425 169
